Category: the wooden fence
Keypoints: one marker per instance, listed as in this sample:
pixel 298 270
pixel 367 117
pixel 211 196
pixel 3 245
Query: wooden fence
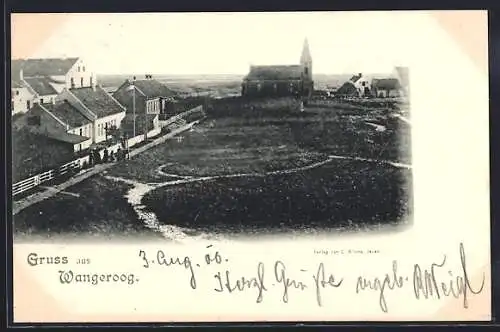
pixel 35 181
pixel 181 116
pixel 77 164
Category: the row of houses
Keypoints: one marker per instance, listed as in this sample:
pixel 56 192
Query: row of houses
pixel 61 99
pixel 360 85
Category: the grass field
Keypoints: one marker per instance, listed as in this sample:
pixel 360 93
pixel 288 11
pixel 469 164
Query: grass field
pixel 101 211
pixel 251 171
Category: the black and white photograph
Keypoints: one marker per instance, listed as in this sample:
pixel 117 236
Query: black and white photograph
pixel 281 130
pixel 199 167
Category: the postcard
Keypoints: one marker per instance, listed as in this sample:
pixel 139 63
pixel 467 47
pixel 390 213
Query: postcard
pixel 239 167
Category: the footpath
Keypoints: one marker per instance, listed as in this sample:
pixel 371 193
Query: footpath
pixel 85 174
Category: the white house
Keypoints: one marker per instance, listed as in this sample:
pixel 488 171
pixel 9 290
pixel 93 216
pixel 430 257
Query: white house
pixel 98 106
pixel 44 91
pixel 362 84
pixel 386 87
pixel 59 121
pixel 40 80
pixel 60 72
pixel 22 98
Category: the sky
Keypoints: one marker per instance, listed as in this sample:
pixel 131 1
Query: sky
pixel 220 43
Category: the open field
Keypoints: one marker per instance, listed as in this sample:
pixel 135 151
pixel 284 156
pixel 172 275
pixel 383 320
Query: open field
pixel 338 194
pixel 251 172
pixel 100 212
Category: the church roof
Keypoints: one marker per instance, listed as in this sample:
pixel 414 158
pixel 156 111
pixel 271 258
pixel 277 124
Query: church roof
pixel 278 72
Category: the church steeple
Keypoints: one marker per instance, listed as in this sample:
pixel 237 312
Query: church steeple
pixel 306 61
pixel 305 58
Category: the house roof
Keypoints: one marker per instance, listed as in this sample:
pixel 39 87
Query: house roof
pixel 356 78
pixel 68 114
pixel 41 86
pixel 347 88
pixel 67 137
pixel 386 83
pixel 151 88
pixel 41 67
pixel 280 72
pixel 98 101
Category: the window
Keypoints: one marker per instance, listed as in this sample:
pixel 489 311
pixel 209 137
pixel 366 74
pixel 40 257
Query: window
pixel 81 82
pixel 17 92
pixel 81 131
pixel 78 68
pixel 90 80
pixel 83 69
pixel 72 82
pixel 306 71
pixel 28 104
pixel 41 100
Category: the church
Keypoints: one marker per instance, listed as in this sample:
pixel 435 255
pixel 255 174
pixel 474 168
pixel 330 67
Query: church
pixel 281 80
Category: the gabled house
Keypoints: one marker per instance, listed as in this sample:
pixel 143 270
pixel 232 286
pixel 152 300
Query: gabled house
pixel 40 80
pixel 59 121
pixel 357 86
pixel 150 96
pixel 60 72
pixel 348 89
pixel 386 87
pixel 44 91
pixel 99 107
pixel 362 84
pixel 22 97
